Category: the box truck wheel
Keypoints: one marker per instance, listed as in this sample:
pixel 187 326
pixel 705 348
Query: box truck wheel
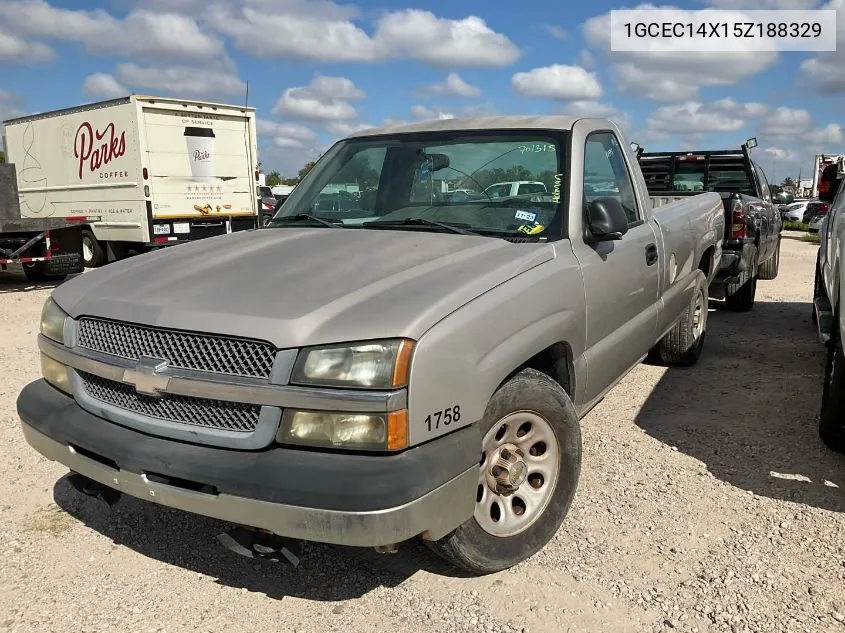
pixel 527 476
pixel 93 254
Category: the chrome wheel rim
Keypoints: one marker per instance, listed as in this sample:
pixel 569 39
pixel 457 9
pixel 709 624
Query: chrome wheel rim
pixel 699 316
pixel 517 474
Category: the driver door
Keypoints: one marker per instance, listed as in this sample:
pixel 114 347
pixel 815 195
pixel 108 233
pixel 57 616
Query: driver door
pixel 621 276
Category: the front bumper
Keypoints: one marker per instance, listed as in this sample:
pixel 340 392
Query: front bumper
pixel 328 497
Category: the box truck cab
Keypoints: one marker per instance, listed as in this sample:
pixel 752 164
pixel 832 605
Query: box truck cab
pixel 139 172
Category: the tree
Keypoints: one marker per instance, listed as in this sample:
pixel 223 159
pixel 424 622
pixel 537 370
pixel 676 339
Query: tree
pixel 305 169
pixel 274 178
pixel 788 183
pixel 359 171
pixel 2 156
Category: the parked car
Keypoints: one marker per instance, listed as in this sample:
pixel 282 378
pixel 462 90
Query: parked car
pixel 404 369
pixel 752 223
pixel 814 209
pixel 827 306
pixel 511 189
pixel 793 212
pixel 816 223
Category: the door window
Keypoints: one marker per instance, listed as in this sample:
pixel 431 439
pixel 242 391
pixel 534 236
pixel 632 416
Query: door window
pixel 607 175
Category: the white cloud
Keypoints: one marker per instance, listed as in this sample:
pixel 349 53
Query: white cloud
pixel 325 31
pixel 557 32
pixel 324 99
pixel 182 80
pixel 786 122
pixel 423 113
pixel 170 36
pixel 285 135
pixel 670 75
pixel 830 135
pixel 597 109
pixel 454 86
pixel 779 153
pixel 423 36
pixel 694 117
pixel 823 72
pixel 103 85
pixel 23 50
pixel 558 82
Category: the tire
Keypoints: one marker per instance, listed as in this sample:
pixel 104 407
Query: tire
pixel 36 272
pixel 93 254
pixel 682 345
pixel 266 218
pixel 769 269
pixel 832 417
pixel 533 396
pixel 739 296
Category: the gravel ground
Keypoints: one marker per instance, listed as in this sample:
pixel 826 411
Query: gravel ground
pixel 707 503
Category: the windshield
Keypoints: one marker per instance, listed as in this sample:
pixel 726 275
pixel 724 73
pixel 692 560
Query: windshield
pixel 498 184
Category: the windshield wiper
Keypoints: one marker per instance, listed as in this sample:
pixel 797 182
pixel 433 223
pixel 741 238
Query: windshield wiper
pixel 304 217
pixel 452 228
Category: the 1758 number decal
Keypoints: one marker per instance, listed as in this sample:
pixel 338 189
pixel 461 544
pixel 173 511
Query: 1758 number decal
pixel 444 417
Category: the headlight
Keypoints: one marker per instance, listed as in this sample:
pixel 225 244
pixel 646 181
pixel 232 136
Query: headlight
pixel 55 373
pixel 373 365
pixel 53 321
pixel 362 431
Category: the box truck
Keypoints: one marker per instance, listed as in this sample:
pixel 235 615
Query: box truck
pixel 139 172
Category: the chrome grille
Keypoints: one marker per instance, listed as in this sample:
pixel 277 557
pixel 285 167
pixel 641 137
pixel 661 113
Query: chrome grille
pixel 209 414
pixel 231 356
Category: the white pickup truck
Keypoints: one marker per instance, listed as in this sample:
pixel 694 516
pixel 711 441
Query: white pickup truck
pixel 403 367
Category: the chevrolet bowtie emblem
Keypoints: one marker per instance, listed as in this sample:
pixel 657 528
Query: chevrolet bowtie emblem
pixel 146 376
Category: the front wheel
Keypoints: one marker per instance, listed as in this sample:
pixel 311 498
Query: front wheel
pixel 527 476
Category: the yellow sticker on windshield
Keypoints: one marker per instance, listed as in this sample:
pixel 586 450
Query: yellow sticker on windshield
pixel 531 229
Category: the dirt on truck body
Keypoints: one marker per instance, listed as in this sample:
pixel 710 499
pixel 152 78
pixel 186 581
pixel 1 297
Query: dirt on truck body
pixel 411 365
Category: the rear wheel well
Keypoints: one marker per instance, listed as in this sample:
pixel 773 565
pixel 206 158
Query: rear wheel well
pixel 555 361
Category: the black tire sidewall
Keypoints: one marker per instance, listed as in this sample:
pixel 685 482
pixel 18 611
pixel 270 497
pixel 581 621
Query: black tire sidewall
pixel 832 416
pixel 97 254
pixel 533 391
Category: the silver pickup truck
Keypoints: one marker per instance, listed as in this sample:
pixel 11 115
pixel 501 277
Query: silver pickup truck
pixel 827 305
pixel 383 360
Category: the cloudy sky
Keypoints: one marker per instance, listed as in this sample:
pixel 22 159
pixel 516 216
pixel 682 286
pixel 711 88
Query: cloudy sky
pixel 319 68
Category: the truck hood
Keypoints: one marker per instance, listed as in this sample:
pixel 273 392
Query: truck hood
pixel 302 286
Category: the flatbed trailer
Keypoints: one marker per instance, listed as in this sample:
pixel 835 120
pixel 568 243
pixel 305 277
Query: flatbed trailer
pixel 47 248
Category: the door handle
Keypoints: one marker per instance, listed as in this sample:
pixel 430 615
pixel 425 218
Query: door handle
pixel 650 254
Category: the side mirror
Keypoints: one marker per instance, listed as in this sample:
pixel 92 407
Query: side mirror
pixel 438 161
pixel 606 220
